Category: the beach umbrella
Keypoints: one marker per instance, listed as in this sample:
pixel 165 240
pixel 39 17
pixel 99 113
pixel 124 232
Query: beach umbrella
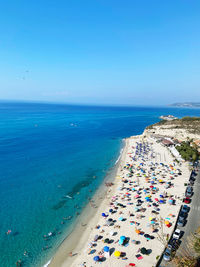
pixel 96 237
pixel 90 245
pixel 156 199
pixel 103 214
pixel 120 218
pixel 108 222
pixel 121 242
pixel 106 249
pixel 122 237
pixel 96 258
pixel 106 240
pixel 143 250
pixel 146 235
pixel 117 253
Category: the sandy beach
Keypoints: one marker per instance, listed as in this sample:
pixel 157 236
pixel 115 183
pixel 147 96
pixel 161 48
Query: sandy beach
pixel 136 215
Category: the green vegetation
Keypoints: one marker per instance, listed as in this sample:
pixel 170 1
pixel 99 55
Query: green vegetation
pixel 191 124
pixel 187 118
pixel 188 152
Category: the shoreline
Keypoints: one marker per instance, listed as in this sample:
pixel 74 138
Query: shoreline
pixel 81 236
pixel 80 232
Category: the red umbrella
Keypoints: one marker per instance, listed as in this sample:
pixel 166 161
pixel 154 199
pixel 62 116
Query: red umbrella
pixel 151 186
pixel 156 199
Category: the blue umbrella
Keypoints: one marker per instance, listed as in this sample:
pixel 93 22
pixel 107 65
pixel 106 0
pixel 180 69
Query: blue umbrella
pixel 104 215
pixel 106 249
pixel 121 242
pixel 96 258
pixel 122 237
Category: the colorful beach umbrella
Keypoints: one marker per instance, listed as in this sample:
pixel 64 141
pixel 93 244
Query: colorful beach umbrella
pixel 117 253
pixel 106 249
pixel 96 258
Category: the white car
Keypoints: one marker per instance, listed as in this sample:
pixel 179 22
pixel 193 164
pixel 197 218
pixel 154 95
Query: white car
pixel 177 234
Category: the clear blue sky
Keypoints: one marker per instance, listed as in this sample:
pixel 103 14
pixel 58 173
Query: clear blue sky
pixel 100 51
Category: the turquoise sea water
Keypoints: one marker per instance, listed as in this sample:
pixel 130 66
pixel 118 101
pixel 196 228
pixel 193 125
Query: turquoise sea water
pixel 48 152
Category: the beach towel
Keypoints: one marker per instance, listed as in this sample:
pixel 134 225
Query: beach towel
pixel 139 256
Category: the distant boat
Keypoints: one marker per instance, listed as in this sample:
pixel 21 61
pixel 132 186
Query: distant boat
pixel 68 196
pixel 73 124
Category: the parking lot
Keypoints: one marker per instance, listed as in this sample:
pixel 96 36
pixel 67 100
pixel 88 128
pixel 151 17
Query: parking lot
pixel 192 221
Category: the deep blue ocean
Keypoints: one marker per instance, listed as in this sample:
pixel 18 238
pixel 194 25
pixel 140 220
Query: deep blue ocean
pixel 48 151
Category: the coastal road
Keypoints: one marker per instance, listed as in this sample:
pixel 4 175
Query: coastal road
pixel 193 220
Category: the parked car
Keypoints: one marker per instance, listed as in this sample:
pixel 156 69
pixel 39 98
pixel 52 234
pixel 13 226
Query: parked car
pixel 167 253
pixel 182 215
pixel 185 208
pixel 191 182
pixel 188 192
pixel 192 178
pixel 177 233
pixel 187 200
pixel 189 189
pixel 174 243
pixel 181 221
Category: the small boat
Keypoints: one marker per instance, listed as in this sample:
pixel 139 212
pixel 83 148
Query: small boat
pixel 68 196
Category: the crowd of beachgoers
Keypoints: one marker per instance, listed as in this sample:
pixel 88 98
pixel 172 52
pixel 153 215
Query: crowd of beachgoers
pixel 140 212
pixel 132 223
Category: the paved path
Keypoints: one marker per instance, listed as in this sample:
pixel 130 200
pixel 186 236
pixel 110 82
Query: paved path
pixel 193 220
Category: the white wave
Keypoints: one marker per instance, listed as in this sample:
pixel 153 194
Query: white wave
pixel 47 264
pixel 120 154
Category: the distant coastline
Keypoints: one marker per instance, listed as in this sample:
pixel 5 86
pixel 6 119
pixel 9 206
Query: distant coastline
pixel 186 105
